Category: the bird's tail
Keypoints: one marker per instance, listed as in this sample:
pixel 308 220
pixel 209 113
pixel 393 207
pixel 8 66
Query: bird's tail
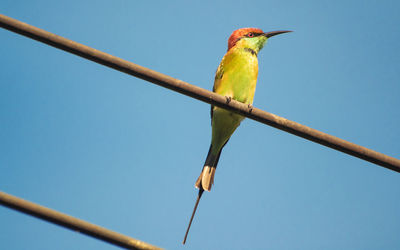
pixel 206 178
pixel 204 182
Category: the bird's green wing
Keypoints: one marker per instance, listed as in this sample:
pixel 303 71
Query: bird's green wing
pixel 218 76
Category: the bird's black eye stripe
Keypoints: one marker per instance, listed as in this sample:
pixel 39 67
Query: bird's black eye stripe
pixel 252 34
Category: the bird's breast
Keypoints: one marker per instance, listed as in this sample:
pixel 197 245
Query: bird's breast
pixel 241 75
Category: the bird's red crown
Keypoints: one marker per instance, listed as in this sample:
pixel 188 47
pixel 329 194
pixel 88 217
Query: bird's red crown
pixel 237 34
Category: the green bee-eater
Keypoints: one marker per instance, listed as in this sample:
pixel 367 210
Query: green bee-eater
pixel 236 79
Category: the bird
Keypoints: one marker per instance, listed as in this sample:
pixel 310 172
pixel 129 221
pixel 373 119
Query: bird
pixel 236 79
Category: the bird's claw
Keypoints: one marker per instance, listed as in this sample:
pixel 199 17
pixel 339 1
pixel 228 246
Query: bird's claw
pixel 250 107
pixel 228 99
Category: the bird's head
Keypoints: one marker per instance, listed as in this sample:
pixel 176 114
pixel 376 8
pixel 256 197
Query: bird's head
pixel 251 38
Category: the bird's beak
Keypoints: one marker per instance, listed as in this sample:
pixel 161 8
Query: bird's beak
pixel 274 33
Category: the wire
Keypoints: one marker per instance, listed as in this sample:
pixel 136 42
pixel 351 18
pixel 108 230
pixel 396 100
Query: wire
pixel 199 93
pixel 72 223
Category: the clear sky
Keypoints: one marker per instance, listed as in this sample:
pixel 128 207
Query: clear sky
pixel 123 153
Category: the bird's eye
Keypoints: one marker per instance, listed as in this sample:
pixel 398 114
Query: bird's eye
pixel 250 34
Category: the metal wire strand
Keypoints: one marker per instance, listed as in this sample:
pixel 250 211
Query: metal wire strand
pixel 199 93
pixel 72 223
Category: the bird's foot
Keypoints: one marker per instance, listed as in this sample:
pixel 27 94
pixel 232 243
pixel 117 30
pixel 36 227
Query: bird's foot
pixel 250 107
pixel 228 99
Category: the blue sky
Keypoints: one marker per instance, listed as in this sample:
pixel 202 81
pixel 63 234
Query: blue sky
pixel 124 154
